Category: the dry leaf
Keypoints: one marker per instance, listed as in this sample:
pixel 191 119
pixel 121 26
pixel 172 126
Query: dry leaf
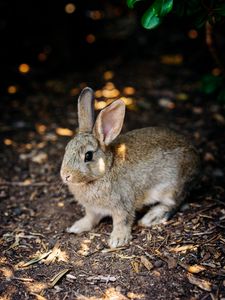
pixel 171 262
pixel 196 269
pixel 135 266
pixel 192 269
pixel 184 248
pixel 148 265
pixel 102 278
pixel 201 283
pixel 38 297
pixel 57 277
pixel 35 259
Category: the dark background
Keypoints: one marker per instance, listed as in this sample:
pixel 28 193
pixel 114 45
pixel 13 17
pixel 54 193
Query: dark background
pixel 53 42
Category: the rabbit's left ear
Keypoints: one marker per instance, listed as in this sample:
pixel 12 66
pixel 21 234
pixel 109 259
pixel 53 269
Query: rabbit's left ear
pixel 109 122
pixel 86 110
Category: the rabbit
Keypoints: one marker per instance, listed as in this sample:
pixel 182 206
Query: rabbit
pixel 115 175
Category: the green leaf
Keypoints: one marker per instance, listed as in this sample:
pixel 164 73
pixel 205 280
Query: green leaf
pixel 130 3
pixel 150 20
pixel 164 7
pixel 211 83
pixel 153 16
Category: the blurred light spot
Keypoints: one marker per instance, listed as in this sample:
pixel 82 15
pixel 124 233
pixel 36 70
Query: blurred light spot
pixel 171 59
pixel 101 164
pixel 12 89
pixel 100 105
pixel 28 146
pixel 109 86
pixel 40 128
pixel 95 15
pixel 166 103
pixel 192 34
pixel 121 150
pixel 42 56
pixel 24 68
pixel 98 94
pixel 127 101
pixel 90 38
pixel 74 91
pixel 216 71
pixel 8 142
pixel 129 90
pixel 110 93
pixel 182 96
pixel 70 8
pixel 40 158
pixel 60 204
pixel 64 131
pixel 108 75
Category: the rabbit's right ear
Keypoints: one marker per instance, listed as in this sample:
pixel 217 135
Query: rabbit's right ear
pixel 109 122
pixel 86 110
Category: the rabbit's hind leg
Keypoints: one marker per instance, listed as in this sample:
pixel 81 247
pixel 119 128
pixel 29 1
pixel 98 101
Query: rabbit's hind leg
pixel 164 198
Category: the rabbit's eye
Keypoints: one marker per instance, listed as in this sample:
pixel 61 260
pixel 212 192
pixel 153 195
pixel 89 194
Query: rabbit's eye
pixel 88 156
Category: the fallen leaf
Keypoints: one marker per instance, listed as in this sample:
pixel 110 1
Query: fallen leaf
pixel 171 262
pixel 195 269
pixel 35 260
pixel 201 283
pixel 57 277
pixel 148 265
pixel 135 266
pixel 102 278
pixel 183 248
pixel 38 297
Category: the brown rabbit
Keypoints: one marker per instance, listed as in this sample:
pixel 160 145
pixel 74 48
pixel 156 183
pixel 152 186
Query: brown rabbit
pixel 115 175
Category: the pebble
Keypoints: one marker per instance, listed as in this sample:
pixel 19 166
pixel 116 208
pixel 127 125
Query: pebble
pixel 158 263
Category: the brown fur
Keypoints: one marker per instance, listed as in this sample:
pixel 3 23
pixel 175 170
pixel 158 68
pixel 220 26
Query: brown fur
pixel 142 167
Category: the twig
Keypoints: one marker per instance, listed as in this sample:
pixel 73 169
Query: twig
pixel 19 183
pixel 212 48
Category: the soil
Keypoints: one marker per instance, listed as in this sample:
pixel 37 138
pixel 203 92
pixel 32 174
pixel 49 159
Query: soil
pixel 182 259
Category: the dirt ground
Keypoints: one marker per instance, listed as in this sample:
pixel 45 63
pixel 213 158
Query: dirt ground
pixel 183 259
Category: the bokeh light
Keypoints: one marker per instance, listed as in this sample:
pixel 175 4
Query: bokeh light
pixel 24 68
pixel 216 72
pixel 8 142
pixel 90 38
pixel 108 75
pixel 12 89
pixel 96 15
pixel 70 8
pixel 192 34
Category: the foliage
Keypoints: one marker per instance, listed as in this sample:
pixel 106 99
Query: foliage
pixel 211 11
pixel 202 12
pixel 214 84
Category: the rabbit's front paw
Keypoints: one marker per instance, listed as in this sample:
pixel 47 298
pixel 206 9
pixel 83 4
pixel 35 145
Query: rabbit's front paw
pixel 82 225
pixel 118 239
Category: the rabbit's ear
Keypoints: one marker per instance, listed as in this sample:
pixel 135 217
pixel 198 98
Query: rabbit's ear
pixel 109 122
pixel 86 110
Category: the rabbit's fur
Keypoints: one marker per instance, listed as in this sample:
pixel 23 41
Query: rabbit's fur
pixel 150 166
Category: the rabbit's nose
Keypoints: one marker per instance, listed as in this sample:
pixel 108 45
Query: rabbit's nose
pixel 68 178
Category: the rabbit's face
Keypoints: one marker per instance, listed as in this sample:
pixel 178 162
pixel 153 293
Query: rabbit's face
pixel 84 161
